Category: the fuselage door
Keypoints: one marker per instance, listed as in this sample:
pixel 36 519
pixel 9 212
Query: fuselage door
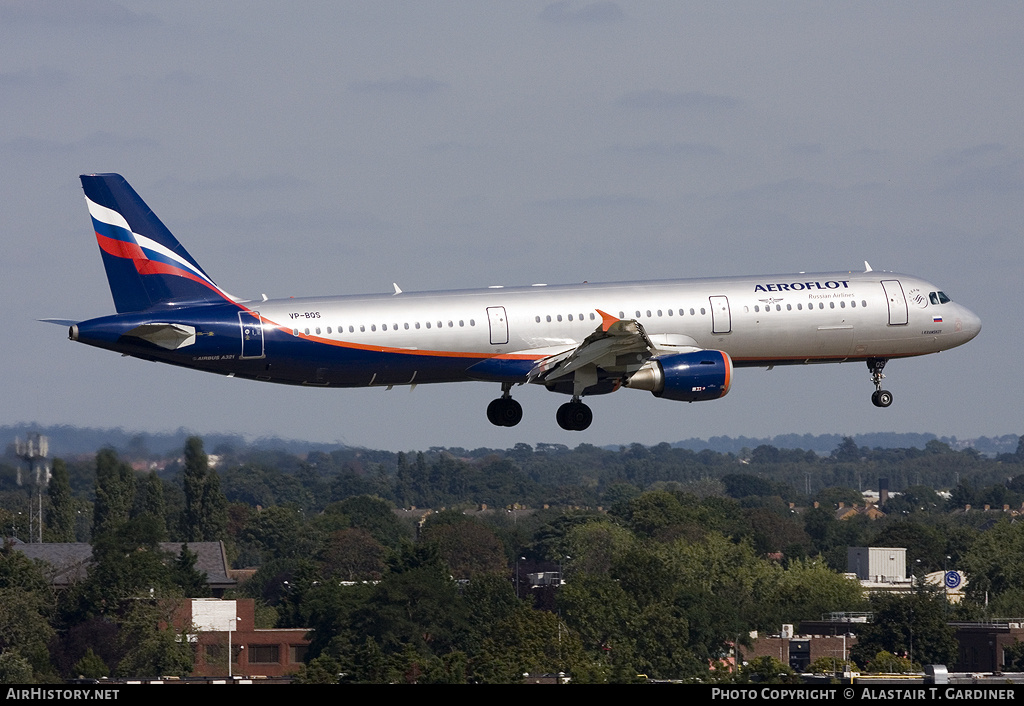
pixel 252 334
pixel 897 302
pixel 721 318
pixel 498 323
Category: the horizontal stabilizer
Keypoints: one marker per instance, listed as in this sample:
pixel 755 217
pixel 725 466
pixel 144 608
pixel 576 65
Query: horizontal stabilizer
pixel 59 322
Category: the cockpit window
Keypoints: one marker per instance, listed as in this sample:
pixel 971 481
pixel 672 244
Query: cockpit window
pixel 943 299
pixel 933 297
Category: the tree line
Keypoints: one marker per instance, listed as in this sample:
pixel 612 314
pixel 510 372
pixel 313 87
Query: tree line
pixel 670 558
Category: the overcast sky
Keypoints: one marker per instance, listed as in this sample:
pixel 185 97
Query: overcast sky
pixel 334 148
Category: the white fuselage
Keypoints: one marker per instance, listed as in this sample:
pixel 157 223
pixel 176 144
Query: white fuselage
pixel 762 320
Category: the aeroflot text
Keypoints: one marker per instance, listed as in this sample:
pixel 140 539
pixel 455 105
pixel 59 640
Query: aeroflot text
pixel 800 286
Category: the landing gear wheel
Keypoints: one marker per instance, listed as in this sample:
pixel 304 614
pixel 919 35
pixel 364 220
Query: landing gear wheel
pixel 881 398
pixel 574 416
pixel 504 412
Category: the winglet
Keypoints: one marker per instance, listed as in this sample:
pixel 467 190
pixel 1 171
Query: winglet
pixel 606 319
pixel 398 290
pixel 867 267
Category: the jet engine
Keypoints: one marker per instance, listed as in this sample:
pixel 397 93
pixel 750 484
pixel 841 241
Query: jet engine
pixel 685 377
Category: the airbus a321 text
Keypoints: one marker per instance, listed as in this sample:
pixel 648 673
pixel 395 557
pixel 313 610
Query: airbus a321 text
pixel 678 339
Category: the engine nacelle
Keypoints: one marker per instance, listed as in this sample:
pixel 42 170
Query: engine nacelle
pixel 686 377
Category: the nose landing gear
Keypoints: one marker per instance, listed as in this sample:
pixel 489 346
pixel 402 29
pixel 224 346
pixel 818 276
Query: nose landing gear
pixel 880 397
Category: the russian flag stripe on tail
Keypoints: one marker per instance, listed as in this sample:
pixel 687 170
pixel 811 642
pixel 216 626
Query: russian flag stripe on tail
pixel 146 265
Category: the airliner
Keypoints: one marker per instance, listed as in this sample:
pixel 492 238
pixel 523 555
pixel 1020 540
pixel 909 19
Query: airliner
pixel 678 339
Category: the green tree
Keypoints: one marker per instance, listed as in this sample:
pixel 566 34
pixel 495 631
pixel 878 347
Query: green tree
pixel 25 604
pixel 468 546
pixel 205 515
pixel 153 503
pixel 115 493
pixel 914 625
pixel 60 517
pixel 150 645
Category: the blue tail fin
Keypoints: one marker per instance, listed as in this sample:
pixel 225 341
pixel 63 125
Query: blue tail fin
pixel 146 266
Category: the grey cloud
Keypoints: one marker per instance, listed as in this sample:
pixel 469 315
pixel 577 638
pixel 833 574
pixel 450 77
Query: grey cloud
pixel 406 85
pixel 58 13
pixel 679 150
pixel 104 140
pixel 594 13
pixel 656 99
pixel 34 78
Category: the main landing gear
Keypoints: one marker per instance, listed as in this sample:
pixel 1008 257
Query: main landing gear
pixel 880 397
pixel 574 416
pixel 505 411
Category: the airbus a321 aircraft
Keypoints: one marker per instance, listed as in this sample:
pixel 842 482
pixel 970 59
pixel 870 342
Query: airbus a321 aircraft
pixel 678 339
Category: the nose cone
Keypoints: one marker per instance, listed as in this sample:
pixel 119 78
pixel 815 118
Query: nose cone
pixel 968 324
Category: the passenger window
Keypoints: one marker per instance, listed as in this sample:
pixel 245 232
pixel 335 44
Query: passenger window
pixel 691 311
pixel 853 304
pixel 659 312
pixel 351 329
pixel 295 332
pixel 789 307
pixel 406 327
pixel 842 304
pixel 537 319
pixel 428 324
pixel 461 323
pixel 317 330
pixel 702 311
pixel 548 317
pixel 307 331
pixel 373 327
pixel 778 307
pixel 417 325
pixel 757 309
pixel 559 317
pixel 570 317
pixel 648 313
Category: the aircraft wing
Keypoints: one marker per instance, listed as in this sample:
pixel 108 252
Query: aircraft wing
pixel 603 348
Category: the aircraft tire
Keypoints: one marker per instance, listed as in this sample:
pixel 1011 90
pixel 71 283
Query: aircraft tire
pixel 504 412
pixel 884 398
pixel 574 416
pixel 511 412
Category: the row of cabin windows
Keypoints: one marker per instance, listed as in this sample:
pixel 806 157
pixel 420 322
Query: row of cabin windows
pixel 383 327
pixel 810 307
pixel 592 316
pixel 650 314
